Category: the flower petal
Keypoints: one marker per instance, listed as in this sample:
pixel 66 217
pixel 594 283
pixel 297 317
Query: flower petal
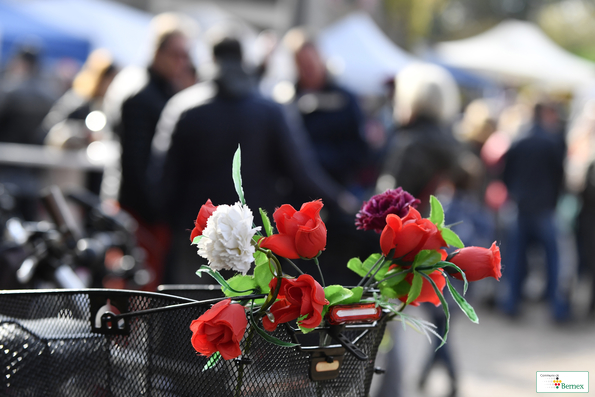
pixel 312 208
pixel 309 242
pixel 280 215
pixel 282 245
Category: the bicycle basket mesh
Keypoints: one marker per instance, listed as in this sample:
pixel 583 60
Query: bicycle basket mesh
pixel 48 348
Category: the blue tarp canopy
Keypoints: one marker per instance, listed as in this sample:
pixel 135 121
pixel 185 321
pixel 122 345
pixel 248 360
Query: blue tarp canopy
pixel 18 28
pixel 122 30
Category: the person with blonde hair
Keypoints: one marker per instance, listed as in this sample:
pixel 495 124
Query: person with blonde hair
pixel 423 154
pixel 64 123
pixel 424 158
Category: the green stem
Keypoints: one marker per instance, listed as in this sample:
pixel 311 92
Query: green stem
pixel 381 259
pixel 367 283
pixel 273 294
pixel 294 266
pixel 403 306
pixel 391 276
pixel 319 271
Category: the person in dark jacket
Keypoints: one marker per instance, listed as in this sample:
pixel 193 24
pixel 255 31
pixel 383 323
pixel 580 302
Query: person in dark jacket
pixel 133 106
pixel 198 134
pixel 140 113
pixel 585 233
pixel 534 176
pixel 331 114
pixel 25 99
pixel 423 154
pixel 422 158
pixel 334 121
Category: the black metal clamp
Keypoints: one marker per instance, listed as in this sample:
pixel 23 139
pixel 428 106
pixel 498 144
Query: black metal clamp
pixel 336 332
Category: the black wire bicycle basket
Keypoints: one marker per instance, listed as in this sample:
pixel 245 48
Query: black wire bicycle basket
pixel 98 342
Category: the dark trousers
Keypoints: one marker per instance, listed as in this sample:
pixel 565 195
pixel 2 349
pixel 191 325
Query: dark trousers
pixel 532 229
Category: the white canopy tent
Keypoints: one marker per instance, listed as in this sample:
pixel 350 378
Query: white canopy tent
pixel 362 58
pixel 518 50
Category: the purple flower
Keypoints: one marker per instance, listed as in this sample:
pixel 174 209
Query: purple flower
pixel 372 215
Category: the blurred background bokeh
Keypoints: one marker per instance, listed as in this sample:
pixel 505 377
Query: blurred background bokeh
pixel 487 104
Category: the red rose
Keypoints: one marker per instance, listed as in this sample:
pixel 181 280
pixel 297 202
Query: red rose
pixel 478 262
pixel 427 291
pixel 221 328
pixel 298 297
pixel 409 235
pixel 302 234
pixel 201 220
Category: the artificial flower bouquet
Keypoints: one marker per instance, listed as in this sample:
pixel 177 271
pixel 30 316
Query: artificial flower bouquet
pixel 417 259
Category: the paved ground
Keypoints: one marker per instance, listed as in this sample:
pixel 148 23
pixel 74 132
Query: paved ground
pixel 499 356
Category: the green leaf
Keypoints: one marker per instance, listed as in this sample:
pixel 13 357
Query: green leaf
pixel 299 324
pixel 458 269
pixel 263 276
pixel 239 285
pixel 382 272
pixel 213 360
pixel 371 261
pixel 356 265
pixel 197 239
pixel 265 335
pixel 219 278
pixel 392 281
pixel 362 268
pixel 306 330
pixel 402 288
pixel 395 287
pixel 388 292
pixel 463 304
pixel 443 264
pixel 260 258
pixel 336 293
pixel 415 290
pixel 355 298
pixel 444 308
pixel 339 295
pixel 266 222
pixel 451 238
pixel 237 175
pixel 436 212
pixel 426 258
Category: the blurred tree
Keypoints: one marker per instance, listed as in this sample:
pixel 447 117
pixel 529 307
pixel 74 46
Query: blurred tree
pixel 570 23
pixel 411 22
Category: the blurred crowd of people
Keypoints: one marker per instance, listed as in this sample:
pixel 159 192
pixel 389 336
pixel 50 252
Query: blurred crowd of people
pixel 501 165
pixel 509 168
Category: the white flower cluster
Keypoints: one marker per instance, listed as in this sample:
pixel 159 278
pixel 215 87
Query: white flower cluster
pixel 227 239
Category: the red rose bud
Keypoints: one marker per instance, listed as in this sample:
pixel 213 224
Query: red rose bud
pixel 221 328
pixel 201 220
pixel 409 235
pixel 427 293
pixel 302 234
pixel 372 215
pixel 298 297
pixel 477 262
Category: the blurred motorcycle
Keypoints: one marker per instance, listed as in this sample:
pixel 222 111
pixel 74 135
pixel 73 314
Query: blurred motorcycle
pixel 102 252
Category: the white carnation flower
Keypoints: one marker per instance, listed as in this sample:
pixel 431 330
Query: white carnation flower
pixel 227 240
